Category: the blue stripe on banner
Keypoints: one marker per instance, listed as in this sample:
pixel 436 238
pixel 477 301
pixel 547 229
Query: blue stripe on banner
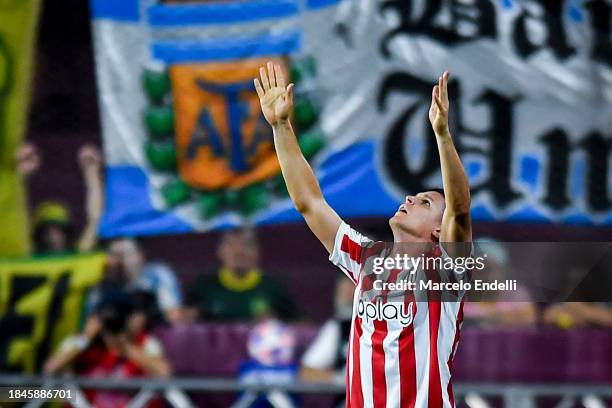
pixel 530 171
pixel 164 15
pixel 121 10
pixel 129 211
pixel 181 51
pixel 317 4
pixel 347 173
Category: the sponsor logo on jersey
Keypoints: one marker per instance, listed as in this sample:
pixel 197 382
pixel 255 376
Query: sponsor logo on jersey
pixel 399 311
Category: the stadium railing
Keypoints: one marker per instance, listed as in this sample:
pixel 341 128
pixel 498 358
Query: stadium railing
pixel 513 395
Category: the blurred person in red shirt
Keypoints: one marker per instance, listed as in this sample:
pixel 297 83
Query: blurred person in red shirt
pixel 115 344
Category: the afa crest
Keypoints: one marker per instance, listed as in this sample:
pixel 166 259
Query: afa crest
pixel 222 139
pixel 206 127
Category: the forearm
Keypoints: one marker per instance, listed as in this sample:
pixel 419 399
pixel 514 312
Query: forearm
pixel 301 182
pixel 277 103
pixel 155 366
pixel 94 205
pixel 454 179
pixel 59 361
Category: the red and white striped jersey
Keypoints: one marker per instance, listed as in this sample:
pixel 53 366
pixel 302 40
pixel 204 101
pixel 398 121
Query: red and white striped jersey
pixel 400 352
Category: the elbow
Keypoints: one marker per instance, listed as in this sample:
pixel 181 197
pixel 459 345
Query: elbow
pixel 461 216
pixel 301 206
pixel 460 210
pixel 309 205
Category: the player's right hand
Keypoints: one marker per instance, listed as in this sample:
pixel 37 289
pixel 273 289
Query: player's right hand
pixel 275 96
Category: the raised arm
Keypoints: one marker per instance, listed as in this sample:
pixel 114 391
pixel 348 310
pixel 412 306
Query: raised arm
pixel 90 160
pixel 456 222
pixel 276 100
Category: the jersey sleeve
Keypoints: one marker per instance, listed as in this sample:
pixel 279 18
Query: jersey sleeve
pixel 348 250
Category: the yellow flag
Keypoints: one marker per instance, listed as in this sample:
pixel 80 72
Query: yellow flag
pixel 41 301
pixel 18 21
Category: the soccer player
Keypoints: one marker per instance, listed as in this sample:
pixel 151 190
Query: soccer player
pixel 392 362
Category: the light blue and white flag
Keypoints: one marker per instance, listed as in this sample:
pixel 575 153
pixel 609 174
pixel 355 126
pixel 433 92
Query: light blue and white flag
pixel 188 150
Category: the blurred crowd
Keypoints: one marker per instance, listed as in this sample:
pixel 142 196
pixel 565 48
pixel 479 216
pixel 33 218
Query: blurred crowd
pixel 138 294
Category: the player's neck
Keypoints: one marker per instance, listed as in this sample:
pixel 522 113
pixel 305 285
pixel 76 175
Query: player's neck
pixel 409 238
pixel 411 249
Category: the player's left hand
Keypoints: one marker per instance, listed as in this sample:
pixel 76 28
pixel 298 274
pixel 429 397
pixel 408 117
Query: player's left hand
pixel 438 112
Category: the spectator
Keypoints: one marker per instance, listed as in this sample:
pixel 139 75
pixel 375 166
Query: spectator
pixel 115 344
pixel 127 267
pixel 53 232
pixel 509 309
pixel 239 290
pixel 325 358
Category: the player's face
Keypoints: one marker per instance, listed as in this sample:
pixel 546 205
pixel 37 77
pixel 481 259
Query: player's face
pixel 419 216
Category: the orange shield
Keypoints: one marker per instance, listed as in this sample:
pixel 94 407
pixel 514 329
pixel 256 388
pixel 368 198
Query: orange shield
pixel 222 139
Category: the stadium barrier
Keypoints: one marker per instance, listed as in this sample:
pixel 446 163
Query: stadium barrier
pixel 513 395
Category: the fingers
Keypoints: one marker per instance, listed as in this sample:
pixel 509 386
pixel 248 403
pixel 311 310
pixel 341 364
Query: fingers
pixel 288 95
pixel 264 78
pixel 440 105
pixel 436 99
pixel 434 94
pixel 444 86
pixel 271 77
pixel 440 93
pixel 290 92
pixel 271 74
pixel 280 77
pixel 259 89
